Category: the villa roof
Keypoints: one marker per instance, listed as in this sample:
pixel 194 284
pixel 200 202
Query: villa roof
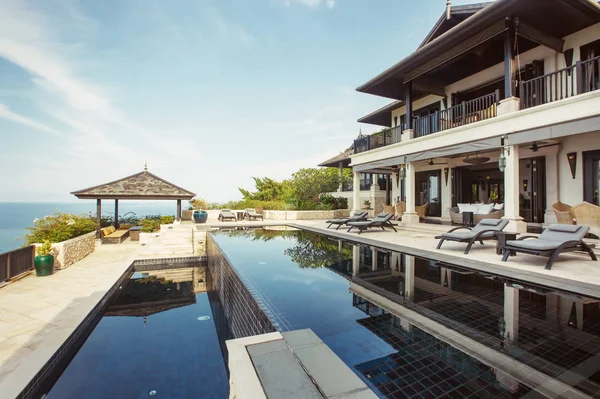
pixel 343 157
pixel 140 186
pixel 382 116
pixel 476 43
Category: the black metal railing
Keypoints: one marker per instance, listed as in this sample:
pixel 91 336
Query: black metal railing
pixel 15 263
pixel 475 110
pixel 378 140
pixel 580 78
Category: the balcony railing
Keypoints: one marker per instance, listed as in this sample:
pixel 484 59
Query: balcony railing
pixel 15 263
pixel 475 110
pixel 377 140
pixel 580 78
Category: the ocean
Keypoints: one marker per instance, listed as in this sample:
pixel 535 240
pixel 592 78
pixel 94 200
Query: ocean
pixel 15 217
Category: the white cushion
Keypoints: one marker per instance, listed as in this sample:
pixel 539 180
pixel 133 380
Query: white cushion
pixel 471 208
pixel 484 209
pixel 461 207
pixel 498 207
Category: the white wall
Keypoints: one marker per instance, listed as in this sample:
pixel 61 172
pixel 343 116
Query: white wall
pixel 571 190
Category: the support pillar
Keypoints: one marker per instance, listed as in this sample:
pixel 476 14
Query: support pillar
pixel 355 260
pixel 410 216
pixel 98 216
pixel 356 192
pixel 341 175
pixel 552 185
pixel 116 214
pixel 511 191
pixel 509 104
pixel 373 259
pixel 178 218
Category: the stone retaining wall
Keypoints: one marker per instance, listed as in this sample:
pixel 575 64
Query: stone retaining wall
pixel 306 215
pixel 68 252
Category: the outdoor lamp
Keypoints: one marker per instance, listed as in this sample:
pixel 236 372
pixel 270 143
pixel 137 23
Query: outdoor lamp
pixel 502 161
pixel 402 172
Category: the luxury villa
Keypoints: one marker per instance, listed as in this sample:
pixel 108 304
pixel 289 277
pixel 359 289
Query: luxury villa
pixel 499 104
pixel 495 119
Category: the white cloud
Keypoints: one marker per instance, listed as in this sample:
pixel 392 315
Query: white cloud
pixel 6 113
pixel 311 3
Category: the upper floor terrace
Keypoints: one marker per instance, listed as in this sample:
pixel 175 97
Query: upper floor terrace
pixel 487 59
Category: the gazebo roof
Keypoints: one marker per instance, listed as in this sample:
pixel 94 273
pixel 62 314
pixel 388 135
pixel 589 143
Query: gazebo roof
pixel 343 157
pixel 140 186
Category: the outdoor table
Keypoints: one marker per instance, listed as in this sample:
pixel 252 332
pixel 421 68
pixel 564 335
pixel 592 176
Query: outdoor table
pixel 134 233
pixel 240 215
pixel 502 237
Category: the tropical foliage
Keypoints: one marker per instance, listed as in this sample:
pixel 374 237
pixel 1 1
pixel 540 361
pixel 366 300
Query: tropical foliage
pixel 152 223
pixel 59 227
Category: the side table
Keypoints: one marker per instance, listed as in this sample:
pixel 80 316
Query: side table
pixel 240 215
pixel 502 237
pixel 467 219
pixel 134 233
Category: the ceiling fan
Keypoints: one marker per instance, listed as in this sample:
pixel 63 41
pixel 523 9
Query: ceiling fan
pixel 476 160
pixel 431 163
pixel 535 146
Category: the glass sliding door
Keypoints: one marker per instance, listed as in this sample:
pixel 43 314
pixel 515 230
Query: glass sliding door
pixel 591 176
pixel 429 189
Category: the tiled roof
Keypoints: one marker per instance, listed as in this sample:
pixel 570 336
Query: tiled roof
pixel 143 185
pixel 344 156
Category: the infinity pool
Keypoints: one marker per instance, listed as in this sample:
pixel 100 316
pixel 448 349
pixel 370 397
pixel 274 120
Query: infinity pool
pixel 517 336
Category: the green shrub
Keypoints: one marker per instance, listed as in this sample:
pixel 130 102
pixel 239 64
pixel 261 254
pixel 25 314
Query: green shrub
pixel 59 227
pixel 197 203
pixel 151 223
pixel 45 249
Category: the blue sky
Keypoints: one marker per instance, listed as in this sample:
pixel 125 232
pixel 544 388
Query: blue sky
pixel 210 92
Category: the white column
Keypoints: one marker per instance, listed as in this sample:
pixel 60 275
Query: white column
pixel 511 191
pixel 395 259
pixel 409 277
pixel 395 187
pixel 410 216
pixel 355 260
pixel 341 174
pixel 511 313
pixel 356 192
pixel 552 189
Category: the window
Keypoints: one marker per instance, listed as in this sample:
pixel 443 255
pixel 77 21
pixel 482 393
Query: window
pixel 591 177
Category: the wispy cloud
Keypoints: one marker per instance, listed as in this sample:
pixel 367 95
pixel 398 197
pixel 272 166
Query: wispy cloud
pixel 6 113
pixel 311 3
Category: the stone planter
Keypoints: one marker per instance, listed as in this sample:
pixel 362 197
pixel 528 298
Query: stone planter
pixel 187 214
pixel 44 265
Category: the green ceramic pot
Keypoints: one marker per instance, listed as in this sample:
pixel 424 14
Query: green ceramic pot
pixel 44 265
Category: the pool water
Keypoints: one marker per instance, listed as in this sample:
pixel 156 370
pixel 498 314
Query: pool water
pixel 530 335
pixel 157 339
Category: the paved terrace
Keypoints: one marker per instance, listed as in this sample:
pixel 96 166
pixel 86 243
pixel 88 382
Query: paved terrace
pixel 38 314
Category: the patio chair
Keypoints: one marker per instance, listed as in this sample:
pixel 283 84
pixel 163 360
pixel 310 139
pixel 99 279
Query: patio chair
pixel 357 216
pixel 389 209
pixel 563 213
pixel 557 238
pixel 382 220
pixel 588 215
pixel 400 209
pixel 251 214
pixel 485 230
pixel 226 214
pixel 421 210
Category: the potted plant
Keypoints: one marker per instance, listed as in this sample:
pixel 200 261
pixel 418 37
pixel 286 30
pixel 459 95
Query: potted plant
pixel 200 216
pixel 367 204
pixel 44 260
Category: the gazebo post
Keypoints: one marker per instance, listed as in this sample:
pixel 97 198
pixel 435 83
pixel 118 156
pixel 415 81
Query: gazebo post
pixel 178 218
pixel 98 214
pixel 116 213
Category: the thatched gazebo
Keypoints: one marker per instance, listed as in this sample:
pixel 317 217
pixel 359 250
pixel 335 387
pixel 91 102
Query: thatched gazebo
pixel 141 186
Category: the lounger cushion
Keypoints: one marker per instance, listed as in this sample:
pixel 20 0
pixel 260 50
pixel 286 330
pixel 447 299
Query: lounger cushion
pixel 335 221
pixel 491 222
pixel 564 232
pixel 535 244
pixel 465 235
pixel 362 223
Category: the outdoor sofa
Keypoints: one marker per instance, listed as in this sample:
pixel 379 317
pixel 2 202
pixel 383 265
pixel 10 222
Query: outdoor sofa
pixel 382 220
pixel 480 212
pixel 251 214
pixel 110 235
pixel 485 230
pixel 554 240
pixel 226 214
pixel 357 216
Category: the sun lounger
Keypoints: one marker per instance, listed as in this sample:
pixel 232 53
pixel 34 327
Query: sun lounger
pixel 110 235
pixel 357 216
pixel 557 238
pixel 226 214
pixel 251 214
pixel 382 220
pixel 486 229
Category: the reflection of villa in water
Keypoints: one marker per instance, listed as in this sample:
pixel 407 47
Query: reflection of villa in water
pixel 455 316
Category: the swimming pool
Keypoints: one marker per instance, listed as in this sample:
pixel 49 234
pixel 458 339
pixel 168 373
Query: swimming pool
pixel 413 327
